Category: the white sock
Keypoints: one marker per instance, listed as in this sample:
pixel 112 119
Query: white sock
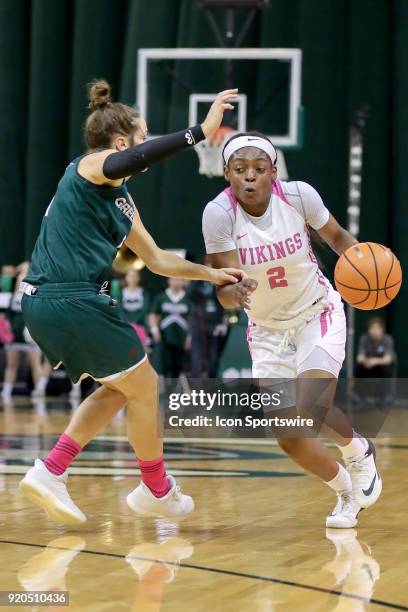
pixel 356 447
pixel 7 389
pixel 42 383
pixel 341 482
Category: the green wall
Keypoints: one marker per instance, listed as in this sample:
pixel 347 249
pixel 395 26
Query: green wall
pixel 354 52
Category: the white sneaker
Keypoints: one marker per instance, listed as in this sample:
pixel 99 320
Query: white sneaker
pixel 344 515
pixel 50 493
pixel 174 504
pixel 367 483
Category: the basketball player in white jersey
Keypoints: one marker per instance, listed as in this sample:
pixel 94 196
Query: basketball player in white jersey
pixel 297 326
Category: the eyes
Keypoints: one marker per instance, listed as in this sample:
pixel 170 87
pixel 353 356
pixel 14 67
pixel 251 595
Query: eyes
pixel 241 169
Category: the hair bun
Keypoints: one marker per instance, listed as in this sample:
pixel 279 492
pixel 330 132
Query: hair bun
pixel 99 94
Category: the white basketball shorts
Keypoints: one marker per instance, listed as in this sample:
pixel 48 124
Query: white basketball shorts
pixel 318 344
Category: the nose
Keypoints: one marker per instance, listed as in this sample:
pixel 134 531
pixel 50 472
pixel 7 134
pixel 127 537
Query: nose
pixel 250 176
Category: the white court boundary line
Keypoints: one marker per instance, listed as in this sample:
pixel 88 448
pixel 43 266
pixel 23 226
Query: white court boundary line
pixel 231 441
pixel 236 441
pixel 124 472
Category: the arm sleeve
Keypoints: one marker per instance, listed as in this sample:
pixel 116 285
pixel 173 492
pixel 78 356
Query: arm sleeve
pixel 217 229
pixel 313 209
pixel 137 159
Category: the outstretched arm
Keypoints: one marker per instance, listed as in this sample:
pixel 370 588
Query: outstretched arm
pixel 169 264
pixel 108 166
pixel 136 159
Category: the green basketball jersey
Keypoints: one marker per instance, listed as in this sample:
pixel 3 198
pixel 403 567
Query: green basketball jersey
pixel 174 310
pixel 135 305
pixel 82 229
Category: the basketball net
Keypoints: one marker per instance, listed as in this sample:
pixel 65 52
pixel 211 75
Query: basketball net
pixel 210 154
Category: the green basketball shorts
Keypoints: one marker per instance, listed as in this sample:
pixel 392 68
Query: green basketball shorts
pixel 76 325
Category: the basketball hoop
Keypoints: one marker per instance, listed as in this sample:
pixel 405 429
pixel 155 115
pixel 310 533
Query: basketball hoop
pixel 210 152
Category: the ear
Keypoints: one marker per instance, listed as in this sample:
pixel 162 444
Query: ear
pixel 227 173
pixel 274 173
pixel 120 143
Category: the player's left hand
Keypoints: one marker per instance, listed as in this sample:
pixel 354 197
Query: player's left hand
pixel 226 276
pixel 216 113
pixel 243 292
pixel 238 294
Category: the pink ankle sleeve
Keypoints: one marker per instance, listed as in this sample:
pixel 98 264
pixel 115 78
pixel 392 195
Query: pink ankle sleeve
pixel 62 455
pixel 154 476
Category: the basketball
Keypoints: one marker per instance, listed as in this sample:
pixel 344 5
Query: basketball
pixel 368 276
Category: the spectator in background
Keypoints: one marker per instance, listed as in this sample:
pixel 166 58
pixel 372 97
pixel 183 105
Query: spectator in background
pixel 135 299
pixel 21 342
pixel 209 328
pixel 40 389
pixel 376 357
pixel 6 333
pixel 136 303
pixel 8 273
pixel 169 327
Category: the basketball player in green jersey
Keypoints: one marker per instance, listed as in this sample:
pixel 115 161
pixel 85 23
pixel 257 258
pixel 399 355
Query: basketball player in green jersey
pixel 74 322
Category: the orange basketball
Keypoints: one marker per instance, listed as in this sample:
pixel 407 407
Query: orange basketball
pixel 368 276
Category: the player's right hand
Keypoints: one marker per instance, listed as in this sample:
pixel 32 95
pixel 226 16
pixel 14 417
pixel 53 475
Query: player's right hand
pixel 214 118
pixel 225 276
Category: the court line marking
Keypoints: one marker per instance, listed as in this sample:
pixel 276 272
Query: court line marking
pixel 204 568
pixel 236 441
pixel 173 454
pixel 115 472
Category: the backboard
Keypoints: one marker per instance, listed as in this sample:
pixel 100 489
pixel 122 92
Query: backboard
pixel 178 84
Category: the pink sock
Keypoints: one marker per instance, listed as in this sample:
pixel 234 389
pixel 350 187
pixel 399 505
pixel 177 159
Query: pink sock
pixel 62 455
pixel 154 476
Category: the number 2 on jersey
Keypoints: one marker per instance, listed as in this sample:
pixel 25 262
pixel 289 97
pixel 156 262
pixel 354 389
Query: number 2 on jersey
pixel 276 277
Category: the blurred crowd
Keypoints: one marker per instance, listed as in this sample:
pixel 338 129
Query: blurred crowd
pixel 183 329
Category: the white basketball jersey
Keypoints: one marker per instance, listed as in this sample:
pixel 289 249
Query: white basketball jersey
pixel 275 250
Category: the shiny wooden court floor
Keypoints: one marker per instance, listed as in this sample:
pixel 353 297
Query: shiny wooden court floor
pixel 256 542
